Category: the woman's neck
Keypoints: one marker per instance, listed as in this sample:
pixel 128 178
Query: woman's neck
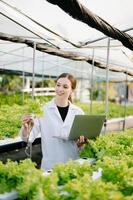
pixel 61 102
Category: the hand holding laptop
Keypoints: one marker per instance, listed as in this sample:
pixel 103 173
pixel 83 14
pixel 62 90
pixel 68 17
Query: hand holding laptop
pixel 81 141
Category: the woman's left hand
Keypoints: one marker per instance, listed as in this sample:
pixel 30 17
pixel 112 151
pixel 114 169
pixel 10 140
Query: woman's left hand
pixel 81 141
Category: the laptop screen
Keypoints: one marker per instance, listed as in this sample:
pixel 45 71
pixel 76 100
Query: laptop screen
pixel 88 125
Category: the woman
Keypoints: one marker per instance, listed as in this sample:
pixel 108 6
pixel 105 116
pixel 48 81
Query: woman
pixel 55 125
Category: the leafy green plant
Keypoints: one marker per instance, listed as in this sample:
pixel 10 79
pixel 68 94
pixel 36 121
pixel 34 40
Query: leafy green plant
pixel 109 145
pixel 71 170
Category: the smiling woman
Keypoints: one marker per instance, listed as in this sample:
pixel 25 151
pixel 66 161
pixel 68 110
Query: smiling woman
pixel 55 125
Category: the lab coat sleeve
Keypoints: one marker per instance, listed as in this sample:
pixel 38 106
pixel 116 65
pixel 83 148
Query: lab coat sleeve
pixel 34 132
pixel 80 112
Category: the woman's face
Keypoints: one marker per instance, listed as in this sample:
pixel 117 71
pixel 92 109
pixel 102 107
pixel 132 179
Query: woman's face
pixel 63 88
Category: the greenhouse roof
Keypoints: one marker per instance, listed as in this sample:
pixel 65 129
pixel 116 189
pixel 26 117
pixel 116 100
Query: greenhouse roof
pixel 60 39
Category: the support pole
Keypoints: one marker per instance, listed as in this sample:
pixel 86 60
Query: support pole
pixel 23 83
pixel 125 102
pixel 107 84
pixel 33 72
pixel 91 91
pixel 23 86
pixel 125 105
pixel 43 70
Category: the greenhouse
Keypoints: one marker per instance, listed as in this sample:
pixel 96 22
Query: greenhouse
pixel 93 42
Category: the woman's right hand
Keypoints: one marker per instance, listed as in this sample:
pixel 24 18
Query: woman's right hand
pixel 28 122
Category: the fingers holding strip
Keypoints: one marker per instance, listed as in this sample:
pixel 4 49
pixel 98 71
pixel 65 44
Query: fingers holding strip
pixel 82 139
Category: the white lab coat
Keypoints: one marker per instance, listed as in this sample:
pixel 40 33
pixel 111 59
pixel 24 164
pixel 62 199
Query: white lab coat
pixel 51 126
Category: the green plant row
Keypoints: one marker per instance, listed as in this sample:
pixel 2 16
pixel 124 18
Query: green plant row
pixel 113 144
pixel 72 180
pixel 114 110
pixel 10 117
pixel 19 99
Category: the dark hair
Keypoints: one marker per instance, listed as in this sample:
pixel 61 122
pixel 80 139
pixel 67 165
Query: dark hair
pixel 71 78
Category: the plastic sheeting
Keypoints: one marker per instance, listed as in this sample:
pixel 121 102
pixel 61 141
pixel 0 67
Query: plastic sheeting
pixel 19 17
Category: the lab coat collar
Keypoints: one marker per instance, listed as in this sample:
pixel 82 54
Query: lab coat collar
pixel 53 105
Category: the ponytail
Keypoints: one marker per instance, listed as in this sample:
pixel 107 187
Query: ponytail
pixel 70 98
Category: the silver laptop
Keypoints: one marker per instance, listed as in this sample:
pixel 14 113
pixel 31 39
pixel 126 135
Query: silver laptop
pixel 88 125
